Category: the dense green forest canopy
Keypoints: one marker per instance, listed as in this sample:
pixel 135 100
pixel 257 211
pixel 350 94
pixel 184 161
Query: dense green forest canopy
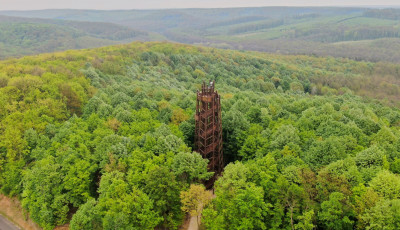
pixel 103 138
pixel 357 33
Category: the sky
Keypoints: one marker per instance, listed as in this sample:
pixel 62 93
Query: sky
pixel 160 4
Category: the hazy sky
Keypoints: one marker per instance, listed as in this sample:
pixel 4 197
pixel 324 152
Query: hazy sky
pixel 156 4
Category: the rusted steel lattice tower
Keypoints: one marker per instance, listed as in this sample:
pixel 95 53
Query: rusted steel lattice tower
pixel 208 136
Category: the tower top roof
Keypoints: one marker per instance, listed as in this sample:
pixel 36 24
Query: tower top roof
pixel 207 89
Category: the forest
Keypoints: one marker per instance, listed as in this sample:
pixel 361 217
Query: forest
pixel 369 34
pixel 26 36
pixel 103 139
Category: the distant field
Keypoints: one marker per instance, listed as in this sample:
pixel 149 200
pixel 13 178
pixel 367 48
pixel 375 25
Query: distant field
pixel 357 33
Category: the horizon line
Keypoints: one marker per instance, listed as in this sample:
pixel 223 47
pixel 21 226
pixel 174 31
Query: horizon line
pixel 234 7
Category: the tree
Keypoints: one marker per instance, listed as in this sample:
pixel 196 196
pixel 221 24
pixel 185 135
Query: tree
pixel 395 166
pixel 364 198
pixel 305 221
pixel 296 87
pixel 386 184
pixel 188 130
pixel 86 217
pixel 255 143
pixel 190 167
pixel 43 196
pixel 239 209
pixel 336 213
pixel 323 152
pixel 212 219
pixel 235 176
pixel 161 186
pixel 254 115
pixel 372 156
pixel 247 209
pixel 195 200
pixel 233 126
pixel 285 135
pixel 178 116
pixel 292 200
pixel 124 207
pixel 384 215
pixel 11 177
pixel 247 197
pixel 72 99
pixel 130 211
pixel 166 141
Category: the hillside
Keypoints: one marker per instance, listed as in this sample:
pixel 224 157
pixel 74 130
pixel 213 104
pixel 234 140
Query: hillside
pixel 357 33
pixel 26 36
pixel 102 138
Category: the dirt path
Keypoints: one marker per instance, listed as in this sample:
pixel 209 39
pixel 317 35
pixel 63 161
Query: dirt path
pixel 6 224
pixel 193 220
pixel 193 223
pixel 11 208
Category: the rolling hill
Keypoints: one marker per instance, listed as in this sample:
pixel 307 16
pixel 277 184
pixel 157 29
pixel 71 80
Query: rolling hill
pixel 25 36
pixel 357 33
pixel 103 138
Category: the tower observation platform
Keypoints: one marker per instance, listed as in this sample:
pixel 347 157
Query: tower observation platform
pixel 208 131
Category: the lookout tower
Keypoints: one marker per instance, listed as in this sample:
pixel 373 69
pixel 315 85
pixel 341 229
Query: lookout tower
pixel 208 136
